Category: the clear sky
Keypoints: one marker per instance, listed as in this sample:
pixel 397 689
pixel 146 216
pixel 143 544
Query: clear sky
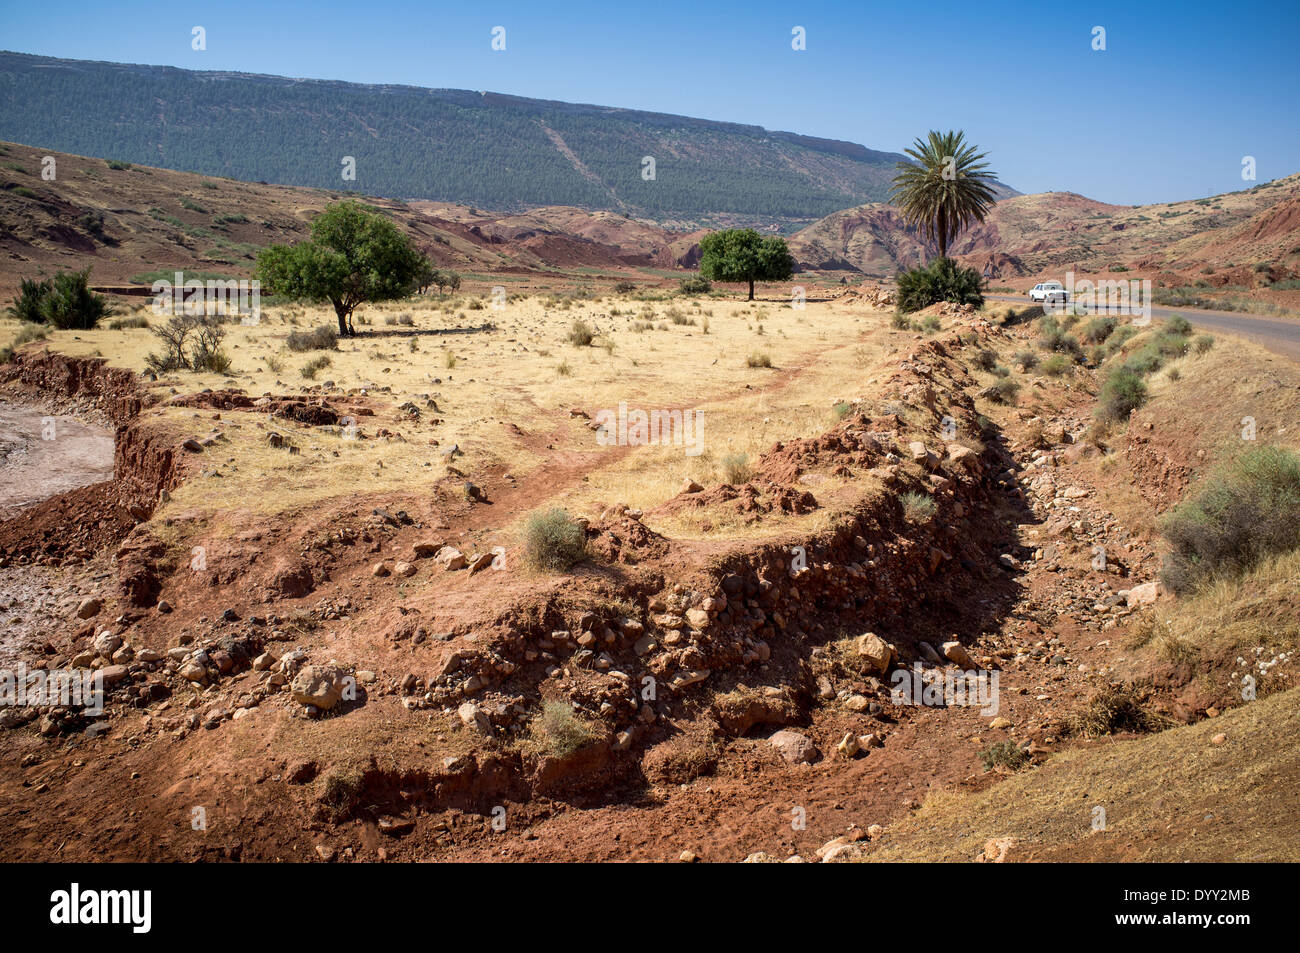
pixel 1183 91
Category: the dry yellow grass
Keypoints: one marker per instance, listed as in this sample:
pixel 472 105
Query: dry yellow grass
pixel 520 370
pixel 1172 796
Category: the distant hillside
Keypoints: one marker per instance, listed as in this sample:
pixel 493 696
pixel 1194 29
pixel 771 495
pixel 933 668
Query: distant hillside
pixel 1219 239
pixel 496 151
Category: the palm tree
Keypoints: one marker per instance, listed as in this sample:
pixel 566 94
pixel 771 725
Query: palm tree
pixel 945 189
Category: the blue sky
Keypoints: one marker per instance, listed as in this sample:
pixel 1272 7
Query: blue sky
pixel 1182 92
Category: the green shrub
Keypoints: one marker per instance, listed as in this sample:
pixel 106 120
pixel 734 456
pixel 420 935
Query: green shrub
pixel 553 541
pixel 918 507
pixel 695 285
pixel 1202 343
pixel 1025 360
pixel 736 469
pixel 1004 754
pixel 901 321
pixel 758 359
pixel 118 164
pixel 1178 325
pixel 1055 366
pixel 941 280
pixel 133 322
pixel 985 359
pixel 323 338
pixel 27 303
pixel 625 287
pixel 1123 392
pixel 560 732
pixel 1098 329
pixel 69 304
pixel 1244 511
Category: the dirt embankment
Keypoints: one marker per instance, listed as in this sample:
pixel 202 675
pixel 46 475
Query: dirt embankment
pixel 74 525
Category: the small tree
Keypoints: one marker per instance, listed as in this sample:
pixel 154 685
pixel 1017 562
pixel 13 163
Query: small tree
pixel 741 254
pixel 64 302
pixel 353 256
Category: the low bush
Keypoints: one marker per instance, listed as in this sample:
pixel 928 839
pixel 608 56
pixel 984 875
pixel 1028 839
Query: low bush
pixel 1243 512
pixel 553 541
pixel 941 280
pixel 323 338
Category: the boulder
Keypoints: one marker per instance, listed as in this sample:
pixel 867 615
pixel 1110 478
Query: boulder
pixel 318 685
pixel 875 652
pixel 794 747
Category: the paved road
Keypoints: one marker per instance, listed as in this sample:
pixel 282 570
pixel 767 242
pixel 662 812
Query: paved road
pixel 1279 335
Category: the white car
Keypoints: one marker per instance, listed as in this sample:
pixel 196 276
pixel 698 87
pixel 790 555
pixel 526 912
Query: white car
pixel 1049 292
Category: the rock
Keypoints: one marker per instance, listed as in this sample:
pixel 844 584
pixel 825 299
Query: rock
pixel 480 562
pixel 395 826
pixel 193 446
pixel 687 857
pixel 320 686
pixel 956 652
pixel 698 618
pixel 690 486
pixel 426 548
pixel 264 661
pixel 404 570
pixel 106 643
pixel 192 671
pixel 875 652
pixel 380 570
pixel 113 674
pixel 473 717
pixel 451 558
pixel 1219 739
pixel 995 850
pixel 871 740
pixel 82 660
pixel 858 703
pixel 929 654
pixel 89 607
pixel 1144 594
pixel 794 748
pixel 848 746
pixel 842 851
pixel 1001 723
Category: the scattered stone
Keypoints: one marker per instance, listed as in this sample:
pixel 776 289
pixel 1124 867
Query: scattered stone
pixel 320 686
pixel 794 748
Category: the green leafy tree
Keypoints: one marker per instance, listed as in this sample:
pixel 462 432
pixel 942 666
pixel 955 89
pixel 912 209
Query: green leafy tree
pixel 945 189
pixel 741 254
pixel 27 303
pixel 353 256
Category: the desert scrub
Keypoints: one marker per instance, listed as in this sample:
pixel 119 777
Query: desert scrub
pixel 758 359
pixel 985 359
pixel 1025 360
pixel 315 366
pixel 1202 343
pixel 560 732
pixel 1242 513
pixel 1004 754
pixel 133 322
pixel 1115 709
pixel 930 324
pixel 918 507
pixel 1004 391
pixel 581 334
pixel 553 541
pixel 736 469
pixel 323 338
pixel 1055 366
pixel 1123 392
pixel 1098 329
